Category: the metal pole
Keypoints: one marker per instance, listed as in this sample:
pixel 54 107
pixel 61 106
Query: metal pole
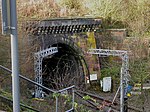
pixel 14 56
pixel 121 92
pixel 73 98
pixel 56 104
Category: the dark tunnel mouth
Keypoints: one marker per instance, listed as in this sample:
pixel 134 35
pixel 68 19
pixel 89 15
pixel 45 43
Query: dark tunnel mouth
pixel 63 69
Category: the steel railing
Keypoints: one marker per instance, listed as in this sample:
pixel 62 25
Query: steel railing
pixel 48 89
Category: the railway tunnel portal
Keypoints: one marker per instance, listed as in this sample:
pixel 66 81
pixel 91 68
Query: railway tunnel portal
pixel 67 66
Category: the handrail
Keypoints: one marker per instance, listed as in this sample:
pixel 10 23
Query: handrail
pixel 50 90
pixel 29 80
pixel 37 84
pixel 66 88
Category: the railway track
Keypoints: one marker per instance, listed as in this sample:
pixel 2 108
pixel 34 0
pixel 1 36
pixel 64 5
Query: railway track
pixel 97 102
pixel 9 102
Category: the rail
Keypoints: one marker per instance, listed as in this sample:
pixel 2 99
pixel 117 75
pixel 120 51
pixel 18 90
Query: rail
pixel 21 104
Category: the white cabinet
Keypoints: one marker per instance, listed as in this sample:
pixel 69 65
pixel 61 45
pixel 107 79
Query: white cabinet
pixel 106 84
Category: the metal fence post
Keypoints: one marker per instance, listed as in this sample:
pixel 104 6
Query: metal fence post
pixel 121 92
pixel 56 104
pixel 73 98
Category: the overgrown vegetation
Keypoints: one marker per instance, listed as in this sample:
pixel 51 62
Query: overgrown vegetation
pixel 134 14
pixel 131 14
